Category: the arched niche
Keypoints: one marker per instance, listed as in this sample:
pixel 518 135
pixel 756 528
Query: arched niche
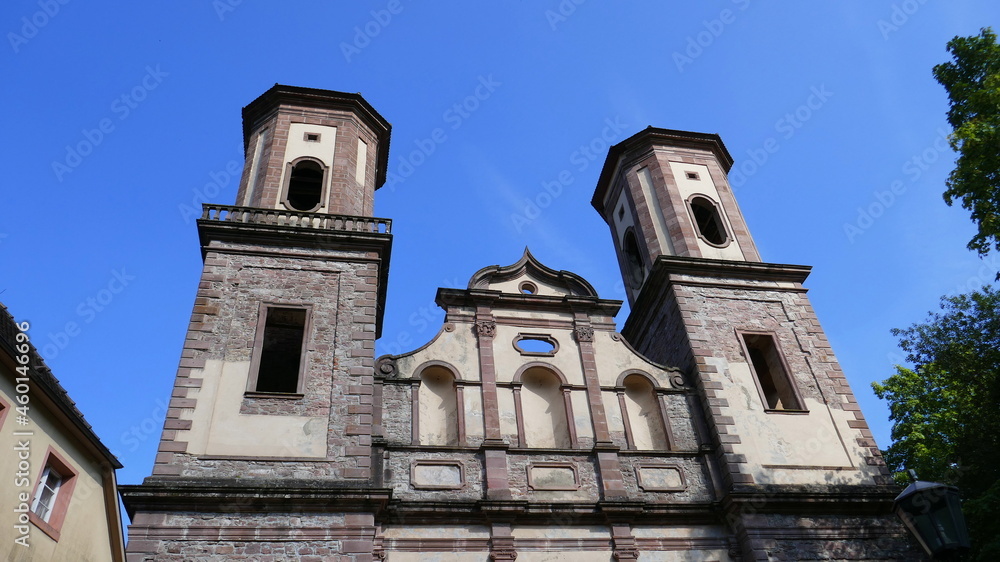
pixel 544 422
pixel 438 408
pixel 642 412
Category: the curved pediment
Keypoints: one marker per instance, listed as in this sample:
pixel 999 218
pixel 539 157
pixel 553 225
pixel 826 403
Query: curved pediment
pixel 529 276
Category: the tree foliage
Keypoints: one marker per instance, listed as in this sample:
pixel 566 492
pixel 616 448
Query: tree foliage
pixel 972 79
pixel 946 410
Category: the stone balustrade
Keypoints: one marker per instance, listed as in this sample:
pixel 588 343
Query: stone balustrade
pixel 279 217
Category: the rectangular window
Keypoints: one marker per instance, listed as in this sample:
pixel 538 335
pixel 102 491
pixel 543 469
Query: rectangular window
pixel 45 494
pixel 53 491
pixel 279 350
pixel 774 381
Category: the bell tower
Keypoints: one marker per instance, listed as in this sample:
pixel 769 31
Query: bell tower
pixel 675 202
pixel 312 151
pixel 269 430
pixel 787 434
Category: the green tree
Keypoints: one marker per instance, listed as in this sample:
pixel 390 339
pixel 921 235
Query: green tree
pixel 946 409
pixel 972 79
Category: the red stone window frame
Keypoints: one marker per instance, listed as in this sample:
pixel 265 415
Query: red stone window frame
pixel 4 410
pixel 52 525
pixel 784 378
pixel 258 346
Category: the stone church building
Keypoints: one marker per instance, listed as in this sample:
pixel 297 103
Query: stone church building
pixel 716 426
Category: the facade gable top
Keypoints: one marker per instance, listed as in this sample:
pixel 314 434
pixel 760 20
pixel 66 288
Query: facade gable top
pixel 530 276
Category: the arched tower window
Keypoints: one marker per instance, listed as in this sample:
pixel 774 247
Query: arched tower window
pixel 544 410
pixel 305 185
pixel 709 222
pixel 642 407
pixel 438 414
pixel 633 259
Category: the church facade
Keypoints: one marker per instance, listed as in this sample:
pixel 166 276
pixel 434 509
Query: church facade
pixel 716 426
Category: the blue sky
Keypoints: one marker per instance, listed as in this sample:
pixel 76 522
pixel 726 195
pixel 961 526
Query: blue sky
pixel 120 118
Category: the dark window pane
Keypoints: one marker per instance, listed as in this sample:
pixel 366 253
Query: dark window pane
pixel 281 351
pixel 707 218
pixel 305 186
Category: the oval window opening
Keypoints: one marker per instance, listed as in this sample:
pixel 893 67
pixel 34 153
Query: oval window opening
pixel 535 345
pixel 706 217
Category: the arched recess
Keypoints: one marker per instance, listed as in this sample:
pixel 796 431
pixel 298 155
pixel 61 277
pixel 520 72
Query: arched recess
pixel 643 413
pixel 544 411
pixel 437 411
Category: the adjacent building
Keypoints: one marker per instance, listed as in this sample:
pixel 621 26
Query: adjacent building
pixel 61 500
pixel 716 426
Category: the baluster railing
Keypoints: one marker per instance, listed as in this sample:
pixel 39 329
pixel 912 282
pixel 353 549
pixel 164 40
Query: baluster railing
pixel 275 217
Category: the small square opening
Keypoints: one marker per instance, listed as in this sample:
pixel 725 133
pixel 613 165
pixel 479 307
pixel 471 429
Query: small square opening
pixel 312 137
pixel 692 176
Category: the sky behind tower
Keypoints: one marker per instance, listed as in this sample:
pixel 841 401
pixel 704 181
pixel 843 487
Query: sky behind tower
pixel 122 119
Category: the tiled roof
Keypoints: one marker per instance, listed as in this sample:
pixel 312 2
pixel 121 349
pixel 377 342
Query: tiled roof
pixel 43 380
